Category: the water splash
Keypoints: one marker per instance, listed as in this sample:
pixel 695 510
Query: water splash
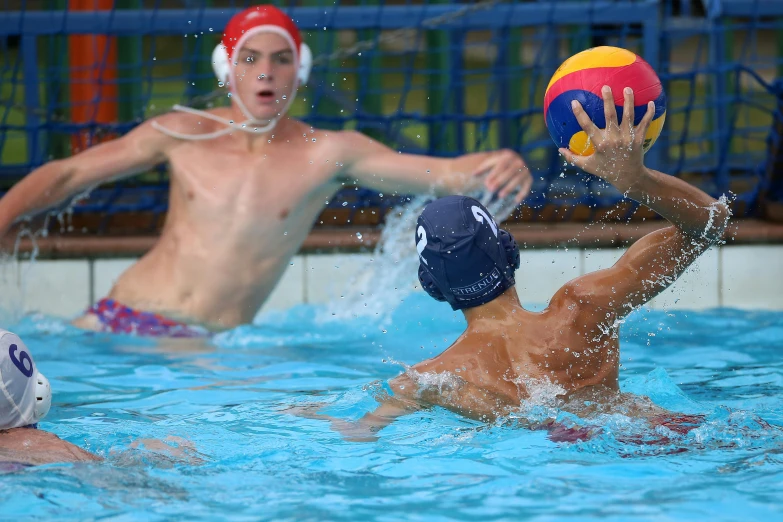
pixel 443 382
pixel 378 289
pixel 16 269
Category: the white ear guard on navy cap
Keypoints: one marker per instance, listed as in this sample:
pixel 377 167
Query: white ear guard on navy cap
pixel 25 394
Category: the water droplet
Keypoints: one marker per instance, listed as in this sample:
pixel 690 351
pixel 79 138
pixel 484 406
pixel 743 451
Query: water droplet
pixel 220 84
pixel 210 29
pixel 285 97
pixel 285 233
pixel 313 139
pixel 359 235
pixel 345 203
pixel 229 95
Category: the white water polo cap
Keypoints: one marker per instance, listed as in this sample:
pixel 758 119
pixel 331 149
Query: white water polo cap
pixel 25 394
pixel 241 27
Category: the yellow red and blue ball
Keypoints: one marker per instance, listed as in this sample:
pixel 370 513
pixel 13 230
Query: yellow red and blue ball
pixel 581 78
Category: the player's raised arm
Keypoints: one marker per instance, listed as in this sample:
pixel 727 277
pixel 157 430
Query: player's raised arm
pixel 139 150
pixel 658 259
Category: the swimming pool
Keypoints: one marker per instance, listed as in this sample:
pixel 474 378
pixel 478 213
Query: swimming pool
pixel 237 454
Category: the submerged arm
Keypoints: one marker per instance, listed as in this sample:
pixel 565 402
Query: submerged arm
pixel 365 429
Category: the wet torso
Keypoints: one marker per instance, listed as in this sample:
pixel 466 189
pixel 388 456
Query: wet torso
pixel 237 215
pixel 499 361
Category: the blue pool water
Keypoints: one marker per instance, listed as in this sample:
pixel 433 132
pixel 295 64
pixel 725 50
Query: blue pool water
pixel 204 431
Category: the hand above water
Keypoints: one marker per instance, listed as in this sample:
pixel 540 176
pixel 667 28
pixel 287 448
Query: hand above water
pixel 619 151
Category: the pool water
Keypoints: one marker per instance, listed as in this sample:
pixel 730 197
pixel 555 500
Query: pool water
pixel 204 431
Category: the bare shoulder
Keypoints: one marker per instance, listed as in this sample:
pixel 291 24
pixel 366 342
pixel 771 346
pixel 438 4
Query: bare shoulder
pixel 187 123
pixel 348 144
pixel 356 141
pixel 40 447
pixel 332 148
pixel 448 359
pixel 568 296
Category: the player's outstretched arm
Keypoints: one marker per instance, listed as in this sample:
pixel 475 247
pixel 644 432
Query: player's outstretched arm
pixel 658 259
pixel 47 186
pixel 375 165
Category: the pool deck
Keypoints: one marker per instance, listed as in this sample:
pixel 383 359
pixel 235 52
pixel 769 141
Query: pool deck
pixel 346 238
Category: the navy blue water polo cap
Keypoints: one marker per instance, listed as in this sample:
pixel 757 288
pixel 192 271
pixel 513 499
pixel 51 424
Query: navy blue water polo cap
pixel 464 257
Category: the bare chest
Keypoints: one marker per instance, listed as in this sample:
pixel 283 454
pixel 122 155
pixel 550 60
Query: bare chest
pixel 273 183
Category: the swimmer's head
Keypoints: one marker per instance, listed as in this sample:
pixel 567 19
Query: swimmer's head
pixel 25 394
pixel 464 258
pixel 263 61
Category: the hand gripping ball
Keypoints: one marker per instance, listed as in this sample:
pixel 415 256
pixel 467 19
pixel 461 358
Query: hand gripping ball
pixel 581 78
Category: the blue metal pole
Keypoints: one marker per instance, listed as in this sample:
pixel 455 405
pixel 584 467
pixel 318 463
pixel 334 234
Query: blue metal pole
pixel 720 132
pixel 503 87
pixel 32 101
pixel 651 35
pixel 457 106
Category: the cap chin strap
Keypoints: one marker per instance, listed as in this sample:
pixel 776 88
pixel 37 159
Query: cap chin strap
pixel 222 66
pixel 251 125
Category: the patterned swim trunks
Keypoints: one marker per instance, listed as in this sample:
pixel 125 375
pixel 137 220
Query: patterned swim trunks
pixel 118 318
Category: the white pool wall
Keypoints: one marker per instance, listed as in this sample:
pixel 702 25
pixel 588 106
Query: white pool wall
pixel 745 277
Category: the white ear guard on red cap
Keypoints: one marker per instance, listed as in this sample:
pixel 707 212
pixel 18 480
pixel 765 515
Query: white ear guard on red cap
pixel 221 63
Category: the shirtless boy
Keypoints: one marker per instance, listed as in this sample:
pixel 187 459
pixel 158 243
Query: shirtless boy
pixel 467 261
pixel 247 184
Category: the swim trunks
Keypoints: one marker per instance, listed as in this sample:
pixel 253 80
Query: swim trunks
pixel 118 318
pixel 12 467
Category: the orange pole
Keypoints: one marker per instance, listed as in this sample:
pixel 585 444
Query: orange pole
pixel 93 84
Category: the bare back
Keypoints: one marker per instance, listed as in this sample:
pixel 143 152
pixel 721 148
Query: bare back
pixel 573 344
pixel 506 350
